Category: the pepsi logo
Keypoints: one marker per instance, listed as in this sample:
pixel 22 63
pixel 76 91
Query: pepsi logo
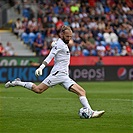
pixel 122 73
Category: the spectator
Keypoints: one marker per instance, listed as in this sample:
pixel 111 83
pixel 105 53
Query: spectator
pixel 9 49
pixel 59 23
pixel 130 40
pixel 38 44
pixel 100 50
pixel 44 51
pixel 2 50
pixel 19 29
pixel 74 8
pixel 122 39
pixel 101 24
pixel 99 62
pixel 124 51
pixel 128 49
pixel 32 25
pixel 116 52
pixel 108 21
pixel 76 49
pixel 109 51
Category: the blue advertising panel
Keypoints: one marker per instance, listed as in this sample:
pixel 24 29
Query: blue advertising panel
pixel 78 73
pixel 24 73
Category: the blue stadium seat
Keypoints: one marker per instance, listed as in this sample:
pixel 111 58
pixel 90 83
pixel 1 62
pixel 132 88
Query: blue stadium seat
pixel 32 38
pixel 85 52
pixel 116 44
pixel 25 38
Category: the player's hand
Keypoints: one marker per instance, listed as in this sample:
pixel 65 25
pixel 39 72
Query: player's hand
pixel 38 72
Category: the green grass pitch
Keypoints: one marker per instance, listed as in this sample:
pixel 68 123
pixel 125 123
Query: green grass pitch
pixel 56 110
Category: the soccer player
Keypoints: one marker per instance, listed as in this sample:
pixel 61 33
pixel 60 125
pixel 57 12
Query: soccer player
pixel 59 73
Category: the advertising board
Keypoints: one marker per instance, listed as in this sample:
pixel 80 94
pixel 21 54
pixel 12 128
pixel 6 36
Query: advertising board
pixel 78 73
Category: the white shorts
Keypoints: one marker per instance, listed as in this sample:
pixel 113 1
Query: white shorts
pixel 59 78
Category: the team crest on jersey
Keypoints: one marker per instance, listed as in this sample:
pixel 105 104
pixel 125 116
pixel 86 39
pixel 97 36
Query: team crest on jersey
pixel 49 82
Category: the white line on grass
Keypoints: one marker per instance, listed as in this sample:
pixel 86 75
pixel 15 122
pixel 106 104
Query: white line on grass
pixel 124 100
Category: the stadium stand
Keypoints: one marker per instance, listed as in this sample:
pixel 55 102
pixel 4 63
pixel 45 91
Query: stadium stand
pixel 96 23
pixel 19 48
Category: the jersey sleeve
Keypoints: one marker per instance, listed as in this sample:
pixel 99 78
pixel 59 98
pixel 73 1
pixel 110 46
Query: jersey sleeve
pixel 52 53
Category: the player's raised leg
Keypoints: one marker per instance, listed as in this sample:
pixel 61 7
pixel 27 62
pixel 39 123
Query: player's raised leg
pixel 29 85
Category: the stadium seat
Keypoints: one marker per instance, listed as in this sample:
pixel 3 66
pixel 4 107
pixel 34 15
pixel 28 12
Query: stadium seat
pixel 32 38
pixel 116 44
pixel 103 43
pixel 85 52
pixel 25 38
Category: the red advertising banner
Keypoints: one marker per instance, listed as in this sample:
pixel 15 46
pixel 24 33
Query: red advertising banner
pixel 107 60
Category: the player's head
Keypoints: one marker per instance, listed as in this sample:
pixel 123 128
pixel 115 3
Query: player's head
pixel 66 34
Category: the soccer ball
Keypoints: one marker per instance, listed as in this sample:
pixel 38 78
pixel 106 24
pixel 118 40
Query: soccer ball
pixel 84 113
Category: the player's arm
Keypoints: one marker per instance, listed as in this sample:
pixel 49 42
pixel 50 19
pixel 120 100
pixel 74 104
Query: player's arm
pixel 47 60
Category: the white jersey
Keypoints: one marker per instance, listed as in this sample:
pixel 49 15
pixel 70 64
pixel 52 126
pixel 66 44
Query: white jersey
pixel 61 54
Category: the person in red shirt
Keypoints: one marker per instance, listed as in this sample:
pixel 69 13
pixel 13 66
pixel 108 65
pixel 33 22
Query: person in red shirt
pixel 1 49
pixel 129 50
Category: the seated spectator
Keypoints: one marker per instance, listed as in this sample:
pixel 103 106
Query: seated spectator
pixel 9 49
pixel 114 37
pixel 100 50
pixel 91 41
pixel 2 50
pixel 76 38
pixel 130 40
pixel 44 51
pixel 66 22
pixel 124 51
pixel 76 49
pixel 59 23
pixel 101 25
pixel 38 44
pixel 116 51
pixel 75 24
pixel 89 44
pixel 93 24
pixel 32 25
pixel 55 8
pixel 74 8
pixel 109 51
pixel 19 29
pixel 107 37
pixel 25 25
pixel 122 39
pixel 66 8
pixel 129 50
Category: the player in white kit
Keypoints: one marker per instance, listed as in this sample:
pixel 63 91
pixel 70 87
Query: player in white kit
pixel 59 73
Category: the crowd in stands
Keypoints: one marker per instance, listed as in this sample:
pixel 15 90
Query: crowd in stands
pixel 100 27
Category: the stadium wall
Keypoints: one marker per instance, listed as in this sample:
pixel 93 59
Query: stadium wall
pixel 78 61
pixel 78 73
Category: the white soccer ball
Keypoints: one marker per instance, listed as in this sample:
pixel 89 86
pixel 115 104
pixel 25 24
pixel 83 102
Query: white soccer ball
pixel 84 113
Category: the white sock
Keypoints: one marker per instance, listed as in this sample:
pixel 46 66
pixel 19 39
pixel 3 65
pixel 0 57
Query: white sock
pixel 85 102
pixel 27 85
